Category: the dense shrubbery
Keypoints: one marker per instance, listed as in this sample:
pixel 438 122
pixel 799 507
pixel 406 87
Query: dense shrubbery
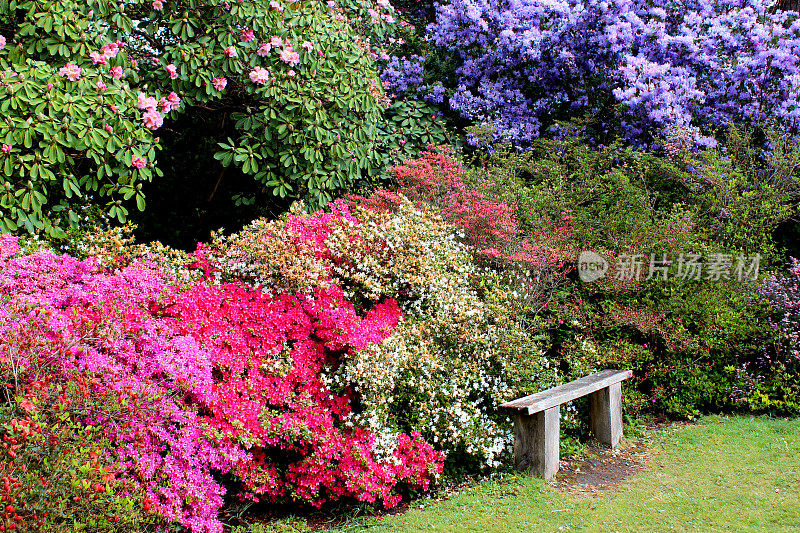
pixel 185 383
pixel 633 67
pixel 358 352
pixel 291 89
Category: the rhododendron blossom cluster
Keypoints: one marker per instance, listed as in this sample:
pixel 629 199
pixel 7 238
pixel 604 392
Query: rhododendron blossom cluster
pixel 521 65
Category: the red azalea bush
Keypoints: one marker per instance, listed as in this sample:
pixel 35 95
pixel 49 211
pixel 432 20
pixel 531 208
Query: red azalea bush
pixel 154 388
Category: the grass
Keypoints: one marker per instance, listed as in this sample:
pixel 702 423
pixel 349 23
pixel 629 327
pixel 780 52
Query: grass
pixel 721 474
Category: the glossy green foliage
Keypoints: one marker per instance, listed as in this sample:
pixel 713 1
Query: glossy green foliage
pixel 76 132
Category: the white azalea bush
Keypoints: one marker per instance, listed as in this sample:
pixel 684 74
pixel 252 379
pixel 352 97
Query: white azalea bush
pixel 459 350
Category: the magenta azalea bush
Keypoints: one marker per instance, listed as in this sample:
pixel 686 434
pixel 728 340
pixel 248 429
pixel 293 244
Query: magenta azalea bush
pixel 185 383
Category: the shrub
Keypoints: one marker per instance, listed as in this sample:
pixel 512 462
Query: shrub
pixel 457 351
pixel 86 86
pixel 632 67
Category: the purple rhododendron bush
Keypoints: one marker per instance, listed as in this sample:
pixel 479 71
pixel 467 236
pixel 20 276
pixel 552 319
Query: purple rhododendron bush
pixel 635 67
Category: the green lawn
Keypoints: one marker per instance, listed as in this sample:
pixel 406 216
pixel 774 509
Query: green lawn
pixel 722 474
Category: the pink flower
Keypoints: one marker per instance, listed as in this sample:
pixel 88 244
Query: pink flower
pixel 134 64
pixel 138 162
pixel 101 85
pixel 219 83
pixel 173 71
pixel 372 13
pixel 6 148
pixel 384 55
pixel 290 56
pixel 114 109
pixel 152 119
pixel 110 50
pixel 264 49
pixel 2 42
pixel 49 85
pixel 259 76
pixel 108 128
pixel 388 18
pixel 230 51
pixel 154 60
pixel 290 73
pixel 116 72
pixel 71 71
pixel 158 5
pixel 172 101
pixel 276 41
pixel 275 5
pixel 308 45
pixel 146 102
pixel 97 58
pixel 331 3
pixel 27 405
pixel 246 36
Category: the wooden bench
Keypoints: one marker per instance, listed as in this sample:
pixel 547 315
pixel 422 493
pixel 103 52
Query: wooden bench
pixel 537 417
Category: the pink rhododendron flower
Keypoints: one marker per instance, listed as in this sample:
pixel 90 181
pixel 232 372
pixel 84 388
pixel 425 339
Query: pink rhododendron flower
pixel 116 72
pixel 146 102
pixel 372 13
pixel 388 18
pixel 231 51
pixel 219 83
pixel 49 85
pixel 154 60
pixel 384 3
pixel 114 109
pixel 110 50
pixel 276 41
pixel 264 49
pixel 259 75
pixel 71 71
pixel 97 58
pixel 290 56
pixel 158 5
pixel 384 55
pixel 275 5
pixel 134 64
pixel 173 71
pixel 308 45
pixel 138 162
pixel 2 42
pixel 290 73
pixel 101 85
pixel 108 128
pixel 172 101
pixel 152 119
pixel 246 36
pixel 6 148
pixel 331 3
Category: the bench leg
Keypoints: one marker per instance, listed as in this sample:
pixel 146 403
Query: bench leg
pixel 536 446
pixel 606 414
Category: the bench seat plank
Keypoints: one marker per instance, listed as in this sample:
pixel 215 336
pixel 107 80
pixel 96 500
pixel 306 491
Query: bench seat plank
pixel 566 392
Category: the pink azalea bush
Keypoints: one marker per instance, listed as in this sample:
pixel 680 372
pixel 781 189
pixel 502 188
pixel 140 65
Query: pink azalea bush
pixel 187 382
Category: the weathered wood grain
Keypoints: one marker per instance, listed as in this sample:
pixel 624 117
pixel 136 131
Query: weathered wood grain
pixel 536 443
pixel 605 414
pixel 566 392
